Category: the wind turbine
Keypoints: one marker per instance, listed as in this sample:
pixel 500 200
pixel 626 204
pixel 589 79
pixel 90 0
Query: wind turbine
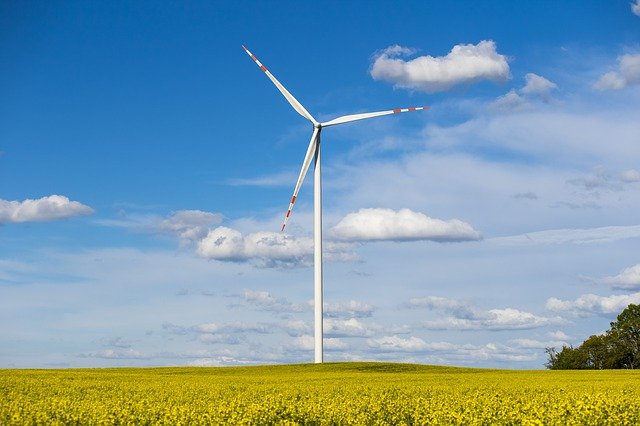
pixel 313 153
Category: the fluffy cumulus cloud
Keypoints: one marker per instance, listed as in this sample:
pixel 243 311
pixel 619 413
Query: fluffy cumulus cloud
pixel 460 315
pixel 403 225
pixel 296 328
pixel 352 308
pixel 626 74
pixel 536 84
pixel 272 249
pixel 189 225
pixel 267 249
pixel 515 100
pixel 511 101
pixel 53 207
pixel 266 301
pixel 263 248
pixel 348 328
pixel 458 353
pixel 307 343
pixel 635 7
pixel 466 63
pixel 590 304
pixel 409 344
pixel 630 176
pixel 229 333
pixel 628 279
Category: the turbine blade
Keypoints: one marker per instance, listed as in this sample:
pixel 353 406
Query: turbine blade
pixel 311 150
pixel 293 101
pixel 365 115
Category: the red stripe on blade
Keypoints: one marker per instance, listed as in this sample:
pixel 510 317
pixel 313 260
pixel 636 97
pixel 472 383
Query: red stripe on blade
pixel 263 68
pixel 293 199
pixel 395 111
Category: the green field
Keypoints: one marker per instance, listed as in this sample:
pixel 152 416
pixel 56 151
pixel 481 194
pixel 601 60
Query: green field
pixel 334 393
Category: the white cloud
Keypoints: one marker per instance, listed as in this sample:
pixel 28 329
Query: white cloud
pixel 53 207
pixel 261 249
pixel 464 316
pixel 266 249
pixel 492 351
pixel 628 279
pixel 511 101
pixel 494 319
pixel 174 329
pixel 307 343
pixel 403 225
pixel 226 339
pixel 116 354
pixel 353 308
pixel 229 333
pixel 231 328
pixel 348 328
pixel 600 179
pixel 457 308
pixel 589 304
pixel 635 7
pixel 457 353
pixel 519 100
pixel 537 344
pixel 259 297
pixel 559 335
pixel 296 328
pixel 631 176
pixel 264 300
pixel 207 362
pixel 189 225
pixel 410 344
pixel 627 74
pixel 538 85
pixel 119 342
pixel 466 63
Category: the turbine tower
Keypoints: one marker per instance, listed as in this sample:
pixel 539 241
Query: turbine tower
pixel 313 153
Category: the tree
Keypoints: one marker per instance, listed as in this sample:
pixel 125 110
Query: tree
pixel 569 358
pixel 619 347
pixel 595 350
pixel 626 334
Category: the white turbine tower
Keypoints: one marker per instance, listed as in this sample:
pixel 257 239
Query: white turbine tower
pixel 313 152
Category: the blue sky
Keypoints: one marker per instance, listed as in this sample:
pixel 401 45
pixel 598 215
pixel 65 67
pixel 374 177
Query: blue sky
pixel 146 164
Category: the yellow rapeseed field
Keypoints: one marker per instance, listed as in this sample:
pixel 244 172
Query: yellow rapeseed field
pixel 340 393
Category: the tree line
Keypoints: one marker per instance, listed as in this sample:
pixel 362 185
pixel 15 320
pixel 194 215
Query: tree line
pixel 617 348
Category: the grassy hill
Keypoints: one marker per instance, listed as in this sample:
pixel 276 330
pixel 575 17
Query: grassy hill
pixel 331 393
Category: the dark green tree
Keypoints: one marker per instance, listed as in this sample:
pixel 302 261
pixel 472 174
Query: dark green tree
pixel 625 332
pixel 569 358
pixel 619 347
